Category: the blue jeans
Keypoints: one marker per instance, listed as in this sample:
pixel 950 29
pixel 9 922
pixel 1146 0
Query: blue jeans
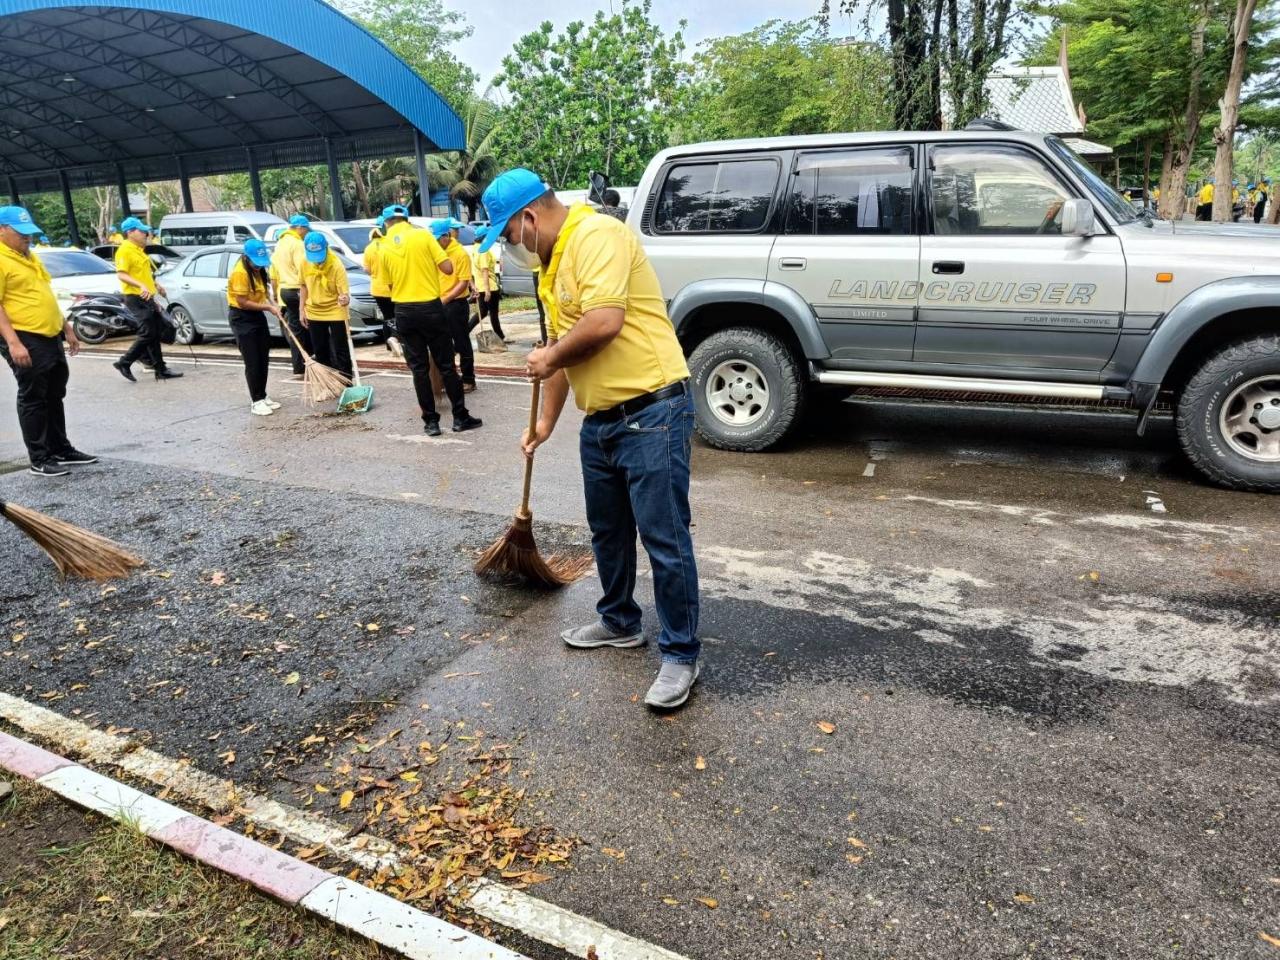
pixel 636 475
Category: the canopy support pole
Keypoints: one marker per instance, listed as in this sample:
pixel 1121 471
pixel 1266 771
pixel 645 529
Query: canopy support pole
pixel 335 184
pixel 255 180
pixel 184 182
pixel 424 182
pixel 123 187
pixel 13 193
pixel 73 231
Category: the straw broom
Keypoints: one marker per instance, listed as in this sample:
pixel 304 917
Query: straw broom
pixel 75 551
pixel 516 551
pixel 320 384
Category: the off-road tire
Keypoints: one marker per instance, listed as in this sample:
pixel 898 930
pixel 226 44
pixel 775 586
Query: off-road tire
pixel 1201 402
pixel 782 372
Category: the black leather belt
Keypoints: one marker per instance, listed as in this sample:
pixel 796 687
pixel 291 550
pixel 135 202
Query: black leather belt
pixel 629 407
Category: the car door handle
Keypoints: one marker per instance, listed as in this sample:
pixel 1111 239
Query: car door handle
pixel 948 266
pixel 792 263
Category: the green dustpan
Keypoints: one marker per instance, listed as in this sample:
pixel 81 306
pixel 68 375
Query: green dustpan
pixel 356 398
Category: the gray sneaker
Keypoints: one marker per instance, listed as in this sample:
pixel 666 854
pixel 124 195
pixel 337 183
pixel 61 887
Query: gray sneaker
pixel 671 688
pixel 598 635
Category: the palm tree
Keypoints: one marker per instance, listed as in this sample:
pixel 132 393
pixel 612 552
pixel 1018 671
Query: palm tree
pixel 465 173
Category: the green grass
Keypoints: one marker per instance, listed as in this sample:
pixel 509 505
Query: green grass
pixel 516 304
pixel 76 887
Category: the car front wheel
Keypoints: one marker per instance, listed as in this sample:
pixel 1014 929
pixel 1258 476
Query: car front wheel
pixel 748 389
pixel 185 331
pixel 1229 416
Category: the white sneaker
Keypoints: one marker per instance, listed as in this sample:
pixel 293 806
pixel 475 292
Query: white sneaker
pixel 271 403
pixel 262 409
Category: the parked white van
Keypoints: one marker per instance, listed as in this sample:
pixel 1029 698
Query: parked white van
pixel 186 232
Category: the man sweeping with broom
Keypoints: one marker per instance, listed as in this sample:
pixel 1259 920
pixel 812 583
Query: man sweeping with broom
pixel 611 342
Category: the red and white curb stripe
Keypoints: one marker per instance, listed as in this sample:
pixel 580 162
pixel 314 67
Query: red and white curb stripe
pixel 364 911
pixel 350 905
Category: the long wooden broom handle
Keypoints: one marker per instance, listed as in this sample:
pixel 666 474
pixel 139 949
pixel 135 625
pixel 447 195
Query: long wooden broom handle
pixel 351 350
pixel 528 461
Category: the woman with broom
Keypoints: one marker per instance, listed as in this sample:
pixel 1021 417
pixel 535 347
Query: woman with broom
pixel 323 303
pixel 250 300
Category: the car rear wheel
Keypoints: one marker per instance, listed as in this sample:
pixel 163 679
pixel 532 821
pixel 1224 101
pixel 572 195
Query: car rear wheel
pixel 748 389
pixel 185 332
pixel 1229 416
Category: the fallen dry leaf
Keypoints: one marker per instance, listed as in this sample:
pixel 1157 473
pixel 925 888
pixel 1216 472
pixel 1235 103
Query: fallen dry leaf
pixel 671 901
pixel 709 902
pixel 344 801
pixel 700 763
pixel 616 854
pixel 826 727
pixel 218 578
pixel 1024 898
pixel 1274 941
pixel 855 842
pixel 292 678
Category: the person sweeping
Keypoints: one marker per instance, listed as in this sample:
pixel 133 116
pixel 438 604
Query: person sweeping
pixel 249 301
pixel 612 343
pixel 324 304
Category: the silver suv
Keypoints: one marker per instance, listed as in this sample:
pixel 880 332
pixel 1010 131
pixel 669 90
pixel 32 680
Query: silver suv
pixel 985 260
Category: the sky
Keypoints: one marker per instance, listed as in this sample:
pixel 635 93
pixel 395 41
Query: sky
pixel 500 23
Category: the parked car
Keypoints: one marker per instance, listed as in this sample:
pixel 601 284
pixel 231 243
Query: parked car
pixel 197 288
pixel 186 232
pixel 348 238
pixel 76 272
pixel 161 256
pixel 987 260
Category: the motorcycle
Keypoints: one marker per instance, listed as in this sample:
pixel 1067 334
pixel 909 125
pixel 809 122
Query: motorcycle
pixel 97 316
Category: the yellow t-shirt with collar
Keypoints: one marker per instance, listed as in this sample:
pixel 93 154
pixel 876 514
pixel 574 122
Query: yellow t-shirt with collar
pixel 603 265
pixel 325 282
pixel 461 261
pixel 26 293
pixel 133 260
pixel 1206 193
pixel 373 266
pixel 290 259
pixel 241 284
pixel 486 261
pixel 409 258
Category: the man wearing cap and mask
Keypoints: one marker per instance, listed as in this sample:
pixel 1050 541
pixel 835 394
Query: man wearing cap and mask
pixel 412 264
pixel 455 290
pixel 288 260
pixel 611 342
pixel 138 283
pixel 31 333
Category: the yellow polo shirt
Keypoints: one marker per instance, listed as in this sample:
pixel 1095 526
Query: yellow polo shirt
pixel 133 260
pixel 289 258
pixel 409 260
pixel 461 261
pixel 486 261
pixel 325 282
pixel 1206 193
pixel 603 265
pixel 27 295
pixel 241 283
pixel 116 238
pixel 373 265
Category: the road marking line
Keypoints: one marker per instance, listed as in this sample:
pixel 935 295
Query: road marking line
pixel 515 909
pixel 869 470
pixel 423 438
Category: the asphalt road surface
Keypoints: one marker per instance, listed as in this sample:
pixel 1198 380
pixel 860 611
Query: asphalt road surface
pixel 1046 653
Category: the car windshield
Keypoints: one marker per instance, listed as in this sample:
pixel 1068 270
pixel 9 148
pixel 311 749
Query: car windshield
pixel 261 229
pixel 1102 192
pixel 73 263
pixel 357 238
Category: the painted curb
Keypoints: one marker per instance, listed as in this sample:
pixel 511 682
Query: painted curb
pixel 350 905
pixel 398 366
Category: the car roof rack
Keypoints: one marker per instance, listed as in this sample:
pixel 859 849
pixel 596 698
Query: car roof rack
pixel 988 123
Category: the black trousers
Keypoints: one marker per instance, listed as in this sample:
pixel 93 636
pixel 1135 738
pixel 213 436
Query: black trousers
pixel 542 315
pixel 489 308
pixel 290 298
pixel 41 389
pixel 425 334
pixel 329 344
pixel 388 310
pixel 254 341
pixel 1204 211
pixel 1260 210
pixel 459 316
pixel 147 343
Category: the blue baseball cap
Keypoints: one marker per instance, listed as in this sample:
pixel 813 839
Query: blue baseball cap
pixel 481 232
pixel 439 228
pixel 381 221
pixel 395 210
pixel 317 246
pixel 133 223
pixel 18 219
pixel 299 220
pixel 257 252
pixel 507 195
pixel 455 223
pixel 113 228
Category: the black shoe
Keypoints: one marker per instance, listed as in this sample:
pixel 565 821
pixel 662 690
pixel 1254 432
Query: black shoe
pixel 72 456
pixel 466 422
pixel 125 371
pixel 167 374
pixel 147 364
pixel 48 469
pixel 432 428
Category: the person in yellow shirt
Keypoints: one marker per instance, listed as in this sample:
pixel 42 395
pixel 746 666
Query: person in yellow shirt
pixel 31 334
pixel 378 286
pixel 248 303
pixel 114 235
pixel 137 280
pixel 488 290
pixel 324 306
pixel 455 293
pixel 413 263
pixel 288 260
pixel 612 343
pixel 1204 202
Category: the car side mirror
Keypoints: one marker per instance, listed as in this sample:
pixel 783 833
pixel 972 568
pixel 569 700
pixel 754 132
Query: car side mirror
pixel 1077 218
pixel 599 184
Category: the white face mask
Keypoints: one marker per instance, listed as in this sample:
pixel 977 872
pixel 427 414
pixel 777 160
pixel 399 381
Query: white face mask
pixel 522 256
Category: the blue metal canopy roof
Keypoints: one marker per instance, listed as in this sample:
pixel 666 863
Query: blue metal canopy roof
pixel 155 88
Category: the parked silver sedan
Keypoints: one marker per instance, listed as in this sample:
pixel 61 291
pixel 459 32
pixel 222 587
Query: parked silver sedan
pixel 197 288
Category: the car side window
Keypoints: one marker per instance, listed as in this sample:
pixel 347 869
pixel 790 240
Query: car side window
pixel 209 265
pixel 241 233
pixel 727 196
pixel 851 192
pixel 984 190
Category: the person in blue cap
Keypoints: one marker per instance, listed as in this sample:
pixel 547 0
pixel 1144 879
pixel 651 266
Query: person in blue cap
pixel 249 300
pixel 378 286
pixel 114 235
pixel 136 273
pixel 455 294
pixel 325 304
pixel 611 342
pixel 288 261
pixel 487 284
pixel 1260 196
pixel 32 330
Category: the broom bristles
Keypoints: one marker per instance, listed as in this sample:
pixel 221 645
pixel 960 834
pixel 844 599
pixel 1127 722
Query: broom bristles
pixel 322 384
pixel 75 551
pixel 515 553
